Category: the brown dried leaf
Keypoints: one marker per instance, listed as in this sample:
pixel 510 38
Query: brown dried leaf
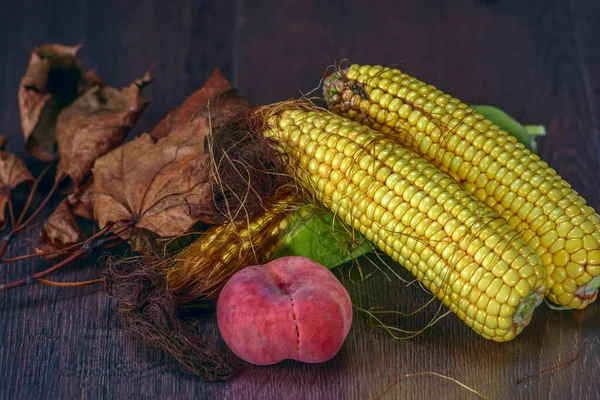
pixel 164 187
pixel 44 251
pixel 82 201
pixel 91 79
pixel 148 243
pixel 143 241
pixel 54 78
pixel 94 124
pixel 3 141
pixel 61 227
pixel 223 107
pixel 214 86
pixel 13 172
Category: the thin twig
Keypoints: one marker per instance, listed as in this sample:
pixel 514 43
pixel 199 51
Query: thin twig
pixel 69 284
pixel 44 254
pixel 37 210
pixel 115 244
pixel 18 225
pixel 33 278
pixel 4 243
pixel 86 248
pixel 11 211
pixel 30 227
pixel 59 251
pixel 36 182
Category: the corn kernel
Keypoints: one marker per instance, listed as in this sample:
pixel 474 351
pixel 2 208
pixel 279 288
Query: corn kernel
pixel 561 258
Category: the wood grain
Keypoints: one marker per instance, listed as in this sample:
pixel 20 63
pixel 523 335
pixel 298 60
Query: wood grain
pixel 586 32
pixel 526 58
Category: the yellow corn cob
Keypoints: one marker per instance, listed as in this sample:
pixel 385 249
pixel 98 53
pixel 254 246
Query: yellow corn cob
pixel 456 246
pixel 203 267
pixel 489 163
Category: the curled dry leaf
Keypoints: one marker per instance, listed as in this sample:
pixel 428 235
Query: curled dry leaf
pixel 61 227
pixel 82 200
pixel 214 86
pixel 143 241
pixel 164 187
pixel 94 124
pixel 48 251
pixel 54 78
pixel 146 242
pixel 13 172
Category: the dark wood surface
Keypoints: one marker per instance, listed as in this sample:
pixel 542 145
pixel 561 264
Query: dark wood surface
pixel 538 60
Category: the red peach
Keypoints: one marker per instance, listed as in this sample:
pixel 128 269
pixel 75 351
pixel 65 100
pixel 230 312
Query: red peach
pixel 290 308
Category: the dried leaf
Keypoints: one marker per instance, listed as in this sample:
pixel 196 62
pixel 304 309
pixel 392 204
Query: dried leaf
pixel 82 200
pixel 214 86
pixel 164 187
pixel 91 79
pixel 44 251
pixel 3 141
pixel 54 78
pixel 143 241
pixel 61 227
pixel 148 243
pixel 223 107
pixel 13 172
pixel 48 250
pixel 94 124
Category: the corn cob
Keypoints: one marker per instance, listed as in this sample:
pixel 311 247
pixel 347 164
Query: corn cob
pixel 202 268
pixel 478 266
pixel 489 163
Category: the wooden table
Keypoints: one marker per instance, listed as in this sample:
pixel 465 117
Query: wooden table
pixel 538 60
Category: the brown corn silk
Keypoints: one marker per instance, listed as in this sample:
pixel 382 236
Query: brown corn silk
pixel 153 313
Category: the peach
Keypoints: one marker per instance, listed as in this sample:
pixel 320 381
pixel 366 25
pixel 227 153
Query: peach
pixel 289 308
